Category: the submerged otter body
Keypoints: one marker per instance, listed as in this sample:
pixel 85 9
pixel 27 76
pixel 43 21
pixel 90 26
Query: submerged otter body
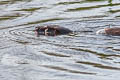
pixel 51 30
pixel 109 31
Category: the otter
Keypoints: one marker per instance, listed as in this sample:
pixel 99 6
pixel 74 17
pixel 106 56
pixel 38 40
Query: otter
pixel 52 30
pixel 109 31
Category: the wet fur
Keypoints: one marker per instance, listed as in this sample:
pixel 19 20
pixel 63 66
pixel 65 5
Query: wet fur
pixel 52 30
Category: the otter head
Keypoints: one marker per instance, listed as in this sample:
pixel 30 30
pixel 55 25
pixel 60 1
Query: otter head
pixel 50 31
pixel 46 30
pixel 40 30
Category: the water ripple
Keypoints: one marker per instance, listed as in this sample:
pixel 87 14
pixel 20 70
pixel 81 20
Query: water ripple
pixel 82 55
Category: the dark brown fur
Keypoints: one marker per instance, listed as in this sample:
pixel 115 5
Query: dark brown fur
pixel 51 30
pixel 113 31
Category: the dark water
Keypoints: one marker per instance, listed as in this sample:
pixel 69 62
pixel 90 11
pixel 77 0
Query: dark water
pixel 80 56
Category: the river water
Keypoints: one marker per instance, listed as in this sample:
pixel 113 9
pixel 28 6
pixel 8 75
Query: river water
pixel 79 56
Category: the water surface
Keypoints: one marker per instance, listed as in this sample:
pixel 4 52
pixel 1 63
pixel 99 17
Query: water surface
pixel 80 56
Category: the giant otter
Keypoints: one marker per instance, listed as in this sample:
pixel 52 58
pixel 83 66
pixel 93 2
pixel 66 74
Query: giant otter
pixel 51 30
pixel 109 31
